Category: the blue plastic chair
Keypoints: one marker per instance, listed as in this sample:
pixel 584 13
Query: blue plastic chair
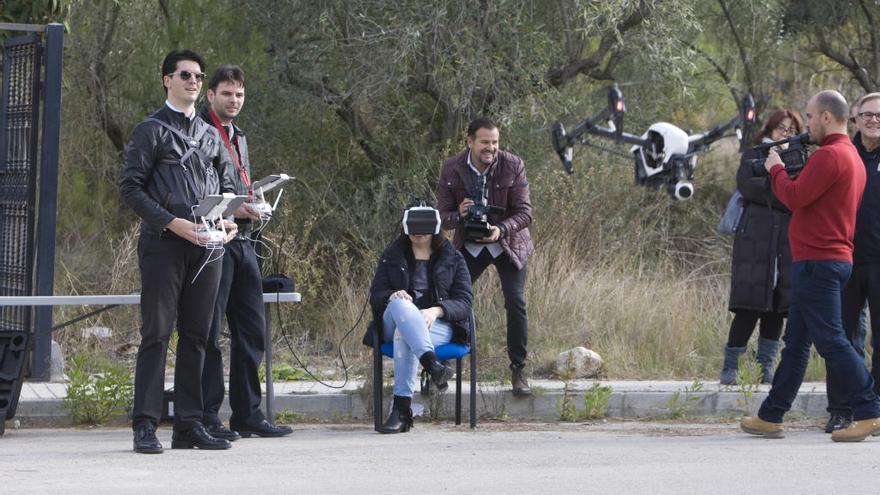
pixel 445 352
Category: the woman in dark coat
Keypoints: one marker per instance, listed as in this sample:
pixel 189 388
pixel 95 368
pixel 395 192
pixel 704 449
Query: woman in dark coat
pixel 761 265
pixel 421 297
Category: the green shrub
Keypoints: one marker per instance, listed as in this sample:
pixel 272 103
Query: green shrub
pixel 680 403
pixel 748 377
pixel 596 400
pixel 283 373
pixel 92 397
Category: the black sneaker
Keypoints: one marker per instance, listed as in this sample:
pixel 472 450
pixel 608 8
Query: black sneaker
pixel 145 441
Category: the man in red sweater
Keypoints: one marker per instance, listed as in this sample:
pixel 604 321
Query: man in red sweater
pixel 823 200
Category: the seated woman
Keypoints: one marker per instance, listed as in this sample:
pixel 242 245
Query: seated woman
pixel 421 296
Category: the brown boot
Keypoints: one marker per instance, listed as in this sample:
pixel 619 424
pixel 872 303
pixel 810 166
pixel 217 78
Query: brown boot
pixel 857 431
pixel 757 426
pixel 519 382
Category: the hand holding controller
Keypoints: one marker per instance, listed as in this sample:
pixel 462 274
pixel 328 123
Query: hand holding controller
pixel 213 238
pixel 263 209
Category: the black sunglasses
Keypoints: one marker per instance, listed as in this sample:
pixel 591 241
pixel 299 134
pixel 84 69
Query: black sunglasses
pixel 186 75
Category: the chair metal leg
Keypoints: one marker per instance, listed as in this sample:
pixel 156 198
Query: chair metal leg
pixel 457 391
pixel 473 366
pixel 377 387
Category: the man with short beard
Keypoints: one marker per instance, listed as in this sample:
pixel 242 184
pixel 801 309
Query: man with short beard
pixel 240 296
pixel 508 244
pixel 864 283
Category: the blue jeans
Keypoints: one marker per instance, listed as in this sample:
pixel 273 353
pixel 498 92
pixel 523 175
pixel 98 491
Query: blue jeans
pixel 412 339
pixel 836 402
pixel 814 318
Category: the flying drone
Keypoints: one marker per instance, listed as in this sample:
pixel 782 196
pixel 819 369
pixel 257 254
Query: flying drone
pixel 665 155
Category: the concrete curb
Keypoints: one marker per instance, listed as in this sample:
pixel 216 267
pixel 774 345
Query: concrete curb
pixel 41 403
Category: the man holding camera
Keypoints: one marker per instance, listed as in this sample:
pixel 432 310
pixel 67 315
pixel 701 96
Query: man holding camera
pixel 171 163
pixel 475 186
pixel 864 283
pixel 240 296
pixel 823 200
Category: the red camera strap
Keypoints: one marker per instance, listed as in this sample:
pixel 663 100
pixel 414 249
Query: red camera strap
pixel 232 152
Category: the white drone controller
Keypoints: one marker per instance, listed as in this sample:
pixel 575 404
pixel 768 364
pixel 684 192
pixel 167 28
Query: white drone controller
pixel 261 187
pixel 215 237
pixel 211 212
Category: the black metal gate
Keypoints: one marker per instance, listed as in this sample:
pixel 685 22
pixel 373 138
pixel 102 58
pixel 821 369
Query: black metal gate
pixel 19 121
pixel 27 151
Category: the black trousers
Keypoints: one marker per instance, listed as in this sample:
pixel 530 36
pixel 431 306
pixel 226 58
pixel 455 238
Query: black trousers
pixel 744 322
pixel 240 299
pixel 171 292
pixel 513 284
pixel 863 286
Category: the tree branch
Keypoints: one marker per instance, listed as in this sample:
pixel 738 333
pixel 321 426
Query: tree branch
pixel 558 76
pixel 720 70
pixel 98 87
pixel 346 108
pixel 848 62
pixel 875 41
pixel 747 68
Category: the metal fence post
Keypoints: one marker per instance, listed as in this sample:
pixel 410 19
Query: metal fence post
pixel 45 245
pixel 270 389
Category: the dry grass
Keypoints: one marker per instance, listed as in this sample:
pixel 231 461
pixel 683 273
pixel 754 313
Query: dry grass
pixel 637 278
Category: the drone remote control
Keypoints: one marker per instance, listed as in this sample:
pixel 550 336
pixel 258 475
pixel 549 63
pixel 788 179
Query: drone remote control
pixel 263 208
pixel 215 237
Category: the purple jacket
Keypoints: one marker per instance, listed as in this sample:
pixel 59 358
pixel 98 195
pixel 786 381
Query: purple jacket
pixel 508 188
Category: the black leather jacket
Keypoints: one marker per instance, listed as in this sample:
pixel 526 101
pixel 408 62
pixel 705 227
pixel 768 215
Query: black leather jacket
pixel 155 184
pixel 233 176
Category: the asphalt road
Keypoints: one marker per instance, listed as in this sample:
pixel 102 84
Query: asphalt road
pixel 617 458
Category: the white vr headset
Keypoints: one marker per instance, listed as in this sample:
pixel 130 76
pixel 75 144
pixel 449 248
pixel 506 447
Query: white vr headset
pixel 421 220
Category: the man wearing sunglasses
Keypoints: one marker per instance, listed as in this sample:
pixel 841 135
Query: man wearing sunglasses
pixel 240 297
pixel 864 283
pixel 171 163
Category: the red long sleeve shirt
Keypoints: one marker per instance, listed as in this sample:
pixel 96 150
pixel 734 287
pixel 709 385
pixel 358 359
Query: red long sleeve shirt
pixel 823 201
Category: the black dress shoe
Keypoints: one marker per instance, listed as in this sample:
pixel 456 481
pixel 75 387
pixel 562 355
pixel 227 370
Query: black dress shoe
pixel 440 375
pixel 264 429
pixel 219 431
pixel 836 422
pixel 197 437
pixel 145 441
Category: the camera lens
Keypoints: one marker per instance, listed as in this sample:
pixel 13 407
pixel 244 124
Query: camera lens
pixel 683 191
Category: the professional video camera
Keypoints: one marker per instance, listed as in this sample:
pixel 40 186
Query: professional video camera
pixel 476 223
pixel 794 157
pixel 665 155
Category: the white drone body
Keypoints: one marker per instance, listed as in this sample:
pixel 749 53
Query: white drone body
pixel 674 142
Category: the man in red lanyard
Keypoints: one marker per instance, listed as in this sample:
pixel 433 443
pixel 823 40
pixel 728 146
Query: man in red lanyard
pixel 240 297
